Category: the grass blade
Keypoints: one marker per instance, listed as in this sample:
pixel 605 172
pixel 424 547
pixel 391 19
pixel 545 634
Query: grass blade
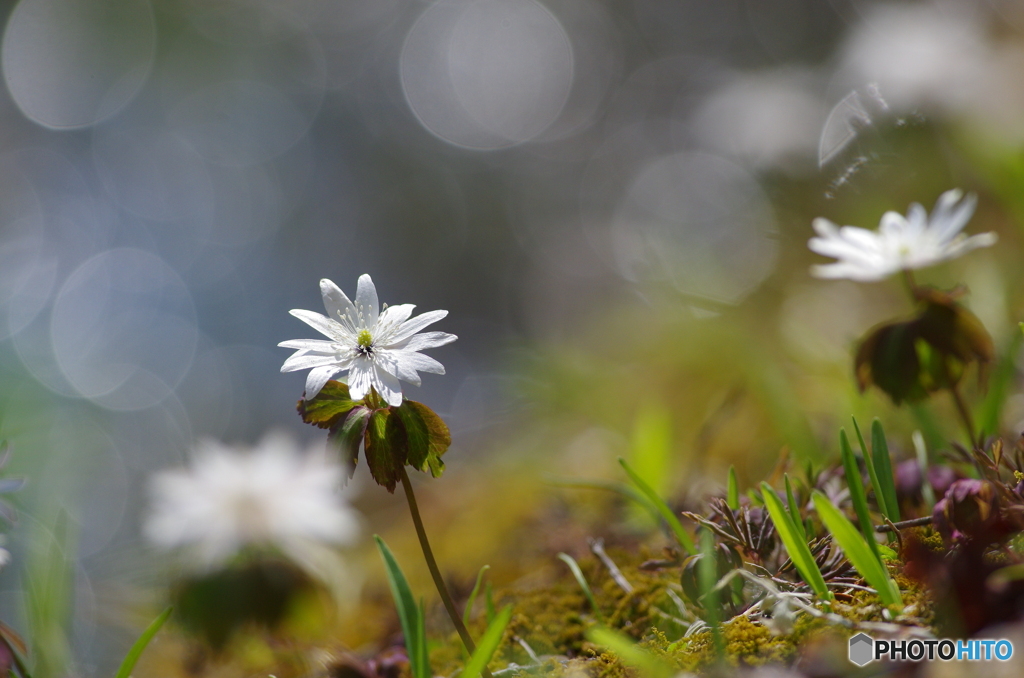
pixel 139 646
pixel 410 615
pixel 883 465
pixel 869 463
pixel 857 551
pixel 707 580
pixel 999 384
pixel 472 596
pixel 489 603
pixel 582 581
pixel 921 454
pixel 651 451
pixel 673 522
pixel 645 663
pixel 488 644
pixel 794 542
pixel 794 510
pixel 732 494
pixel 621 488
pixel 857 494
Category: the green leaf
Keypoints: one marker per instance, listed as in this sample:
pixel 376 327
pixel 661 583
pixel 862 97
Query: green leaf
pixel 328 407
pixel 794 510
pixel 488 644
pixel 384 443
pixel 348 434
pixel 427 436
pixel 857 551
pixel 582 581
pixel 883 467
pixel 857 495
pixel 673 522
pixel 732 492
pixel 631 654
pixel 410 615
pixel 795 545
pixel 139 646
pixel 472 596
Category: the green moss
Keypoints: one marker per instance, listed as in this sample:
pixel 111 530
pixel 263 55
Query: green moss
pixel 746 644
pixel 928 537
pixel 553 617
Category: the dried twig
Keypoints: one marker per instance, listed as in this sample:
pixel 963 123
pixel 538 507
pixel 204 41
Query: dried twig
pixel 597 546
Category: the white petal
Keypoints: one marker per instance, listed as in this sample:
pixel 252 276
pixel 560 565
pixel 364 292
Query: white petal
pixel 962 246
pixel 850 272
pixel 317 377
pixel 861 237
pixel 425 340
pixel 321 324
pixel 417 361
pixel 366 302
pixel 305 361
pixel 916 221
pixel 946 201
pixel 840 249
pixel 318 345
pixel 391 362
pixel 825 228
pixel 954 221
pixel 338 305
pixel 387 385
pixel 391 318
pixel 360 378
pixel 411 327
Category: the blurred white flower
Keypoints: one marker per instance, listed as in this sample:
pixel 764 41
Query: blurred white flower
pixel 900 243
pixel 272 496
pixel 934 55
pixel 376 348
pixel 5 555
pixel 769 120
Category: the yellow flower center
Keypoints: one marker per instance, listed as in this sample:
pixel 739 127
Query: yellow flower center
pixel 364 339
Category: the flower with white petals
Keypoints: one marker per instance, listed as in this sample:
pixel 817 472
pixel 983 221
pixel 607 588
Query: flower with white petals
pixel 376 348
pixel 272 496
pixel 900 243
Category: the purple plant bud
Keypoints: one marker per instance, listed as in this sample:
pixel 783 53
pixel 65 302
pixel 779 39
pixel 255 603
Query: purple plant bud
pixel 970 509
pixel 908 480
pixel 941 477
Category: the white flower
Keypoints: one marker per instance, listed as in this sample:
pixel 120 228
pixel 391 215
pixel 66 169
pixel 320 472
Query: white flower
pixel 271 496
pixel 900 243
pixel 377 349
pixel 930 55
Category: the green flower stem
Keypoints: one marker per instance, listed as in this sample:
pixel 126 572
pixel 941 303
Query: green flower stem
pixel 911 285
pixel 435 572
pixel 965 414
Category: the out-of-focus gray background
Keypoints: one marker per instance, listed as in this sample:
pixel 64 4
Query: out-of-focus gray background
pixel 175 175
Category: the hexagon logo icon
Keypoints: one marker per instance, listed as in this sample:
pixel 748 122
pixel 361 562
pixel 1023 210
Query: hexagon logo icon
pixel 862 649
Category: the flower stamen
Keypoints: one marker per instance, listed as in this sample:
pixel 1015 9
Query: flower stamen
pixel 364 343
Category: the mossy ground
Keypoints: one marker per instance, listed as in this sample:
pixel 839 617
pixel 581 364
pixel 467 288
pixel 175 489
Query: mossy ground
pixel 548 632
